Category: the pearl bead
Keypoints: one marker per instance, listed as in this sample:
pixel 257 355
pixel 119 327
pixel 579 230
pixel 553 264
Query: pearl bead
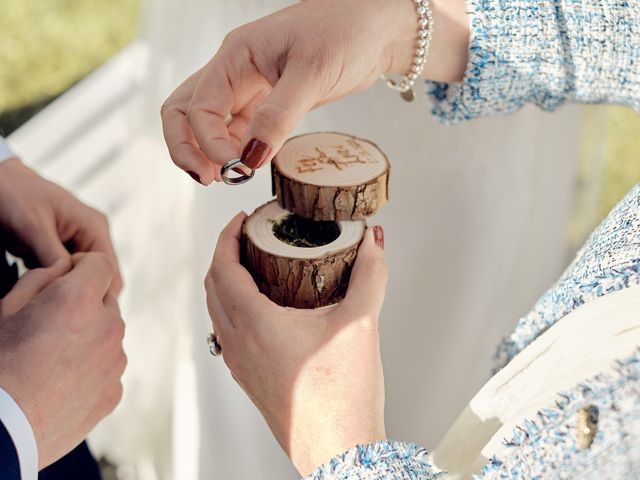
pixel 425 29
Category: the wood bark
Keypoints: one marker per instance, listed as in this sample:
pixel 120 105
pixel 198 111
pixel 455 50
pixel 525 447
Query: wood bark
pixel 330 176
pixel 294 276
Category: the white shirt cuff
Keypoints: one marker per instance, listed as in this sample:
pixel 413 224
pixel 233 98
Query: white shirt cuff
pixel 18 426
pixel 5 151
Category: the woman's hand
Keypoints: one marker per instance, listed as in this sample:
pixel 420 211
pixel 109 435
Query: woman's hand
pixel 268 74
pixel 43 223
pixel 315 375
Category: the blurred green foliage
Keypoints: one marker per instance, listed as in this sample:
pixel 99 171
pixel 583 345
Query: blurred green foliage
pixel 48 45
pixel 609 165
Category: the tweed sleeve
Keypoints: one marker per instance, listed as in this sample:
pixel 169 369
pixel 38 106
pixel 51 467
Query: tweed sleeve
pixel 545 52
pixel 381 460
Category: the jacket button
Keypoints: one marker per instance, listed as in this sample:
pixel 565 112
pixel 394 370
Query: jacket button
pixel 587 425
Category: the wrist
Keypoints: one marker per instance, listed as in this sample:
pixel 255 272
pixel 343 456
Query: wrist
pixel 318 449
pixel 306 465
pixel 402 37
pixel 448 54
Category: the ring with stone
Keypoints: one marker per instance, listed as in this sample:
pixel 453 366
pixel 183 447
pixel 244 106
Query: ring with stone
pixel 214 345
pixel 244 173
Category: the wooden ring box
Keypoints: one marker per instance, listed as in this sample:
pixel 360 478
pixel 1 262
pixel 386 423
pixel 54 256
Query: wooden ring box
pixel 334 182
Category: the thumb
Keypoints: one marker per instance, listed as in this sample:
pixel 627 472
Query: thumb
pixel 47 246
pixel 368 283
pixel 31 284
pixel 277 116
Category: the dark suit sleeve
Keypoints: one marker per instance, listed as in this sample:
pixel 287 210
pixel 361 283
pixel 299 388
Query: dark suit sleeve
pixel 78 464
pixel 9 463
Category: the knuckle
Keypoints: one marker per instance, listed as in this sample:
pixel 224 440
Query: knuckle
pixel 100 218
pixel 122 364
pixel 233 37
pixel 121 330
pixel 276 117
pixel 215 273
pixel 104 267
pixel 165 108
pixel 193 112
pixel 113 396
pixel 116 330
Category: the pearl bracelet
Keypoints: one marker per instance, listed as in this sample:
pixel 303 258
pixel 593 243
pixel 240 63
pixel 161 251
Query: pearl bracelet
pixel 425 23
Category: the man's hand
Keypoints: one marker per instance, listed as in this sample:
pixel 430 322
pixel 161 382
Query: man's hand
pixel 42 223
pixel 61 354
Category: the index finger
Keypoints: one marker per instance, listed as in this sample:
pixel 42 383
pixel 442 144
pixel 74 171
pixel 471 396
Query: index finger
pixel 209 107
pixel 183 147
pixel 93 270
pixel 104 245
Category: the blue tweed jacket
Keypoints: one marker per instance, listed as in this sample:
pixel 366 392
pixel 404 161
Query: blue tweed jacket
pixel 547 52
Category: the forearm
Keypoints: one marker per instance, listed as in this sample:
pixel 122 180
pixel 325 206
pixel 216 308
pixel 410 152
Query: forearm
pixel 546 53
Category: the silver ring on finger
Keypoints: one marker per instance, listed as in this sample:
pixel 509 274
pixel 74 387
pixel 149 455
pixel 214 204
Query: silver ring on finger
pixel 243 173
pixel 214 345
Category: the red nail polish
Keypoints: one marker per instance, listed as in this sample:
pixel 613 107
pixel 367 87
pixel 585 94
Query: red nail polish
pixel 378 236
pixel 195 176
pixel 255 153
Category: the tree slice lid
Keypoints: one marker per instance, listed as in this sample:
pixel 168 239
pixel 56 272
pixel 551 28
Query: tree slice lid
pixel 258 228
pixel 331 176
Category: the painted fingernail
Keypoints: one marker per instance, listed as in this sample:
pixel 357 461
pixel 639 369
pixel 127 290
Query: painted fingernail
pixel 378 236
pixel 255 153
pixel 195 176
